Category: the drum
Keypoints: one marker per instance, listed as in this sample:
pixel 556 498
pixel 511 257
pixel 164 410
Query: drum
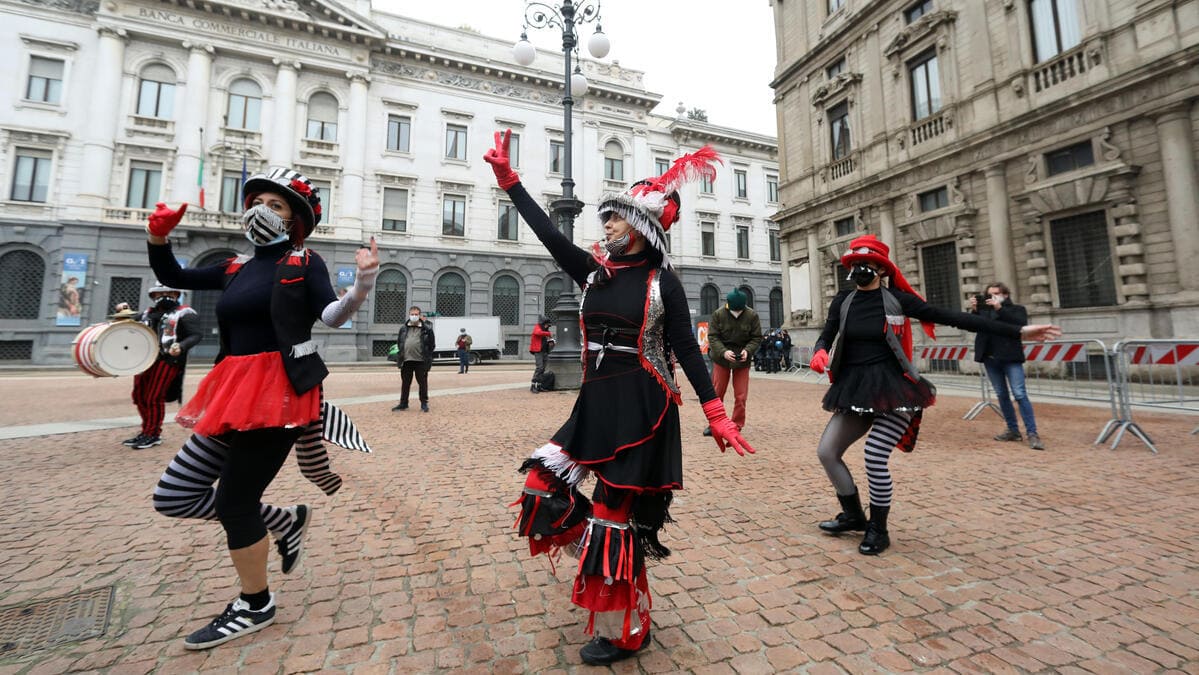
pixel 115 348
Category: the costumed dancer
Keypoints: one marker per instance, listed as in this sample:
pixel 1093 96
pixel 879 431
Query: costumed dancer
pixel 876 391
pixel 624 428
pixel 177 328
pixel 264 392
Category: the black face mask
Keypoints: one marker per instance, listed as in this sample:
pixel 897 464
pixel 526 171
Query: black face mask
pixel 165 304
pixel 862 275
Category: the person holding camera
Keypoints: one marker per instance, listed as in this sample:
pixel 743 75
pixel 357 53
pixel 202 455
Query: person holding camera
pixel 734 335
pixel 539 346
pixel 1003 357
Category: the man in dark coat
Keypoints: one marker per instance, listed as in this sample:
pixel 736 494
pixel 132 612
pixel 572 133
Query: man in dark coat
pixel 416 343
pixel 734 335
pixel 1003 357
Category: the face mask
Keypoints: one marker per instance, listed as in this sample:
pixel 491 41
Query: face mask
pixel 413 319
pixel 264 227
pixel 164 304
pixel 862 275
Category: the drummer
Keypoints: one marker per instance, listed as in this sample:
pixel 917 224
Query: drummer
pixel 178 330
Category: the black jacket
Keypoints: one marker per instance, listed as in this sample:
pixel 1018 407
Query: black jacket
pixel 999 347
pixel 427 340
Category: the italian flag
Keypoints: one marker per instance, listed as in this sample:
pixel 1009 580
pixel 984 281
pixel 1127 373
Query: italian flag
pixel 200 178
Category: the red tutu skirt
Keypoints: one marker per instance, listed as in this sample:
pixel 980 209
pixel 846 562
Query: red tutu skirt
pixel 248 392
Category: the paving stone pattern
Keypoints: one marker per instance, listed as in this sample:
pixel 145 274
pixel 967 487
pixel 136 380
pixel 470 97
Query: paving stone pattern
pixel 1077 559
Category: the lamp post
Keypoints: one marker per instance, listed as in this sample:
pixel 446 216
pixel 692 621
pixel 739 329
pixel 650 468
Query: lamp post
pixel 564 361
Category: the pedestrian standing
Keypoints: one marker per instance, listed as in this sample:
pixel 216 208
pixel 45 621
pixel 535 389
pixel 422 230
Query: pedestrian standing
pixel 1003 359
pixel 734 335
pixel 462 349
pixel 539 346
pixel 416 343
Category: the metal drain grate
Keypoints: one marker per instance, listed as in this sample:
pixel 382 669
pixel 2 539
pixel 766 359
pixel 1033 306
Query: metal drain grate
pixel 46 623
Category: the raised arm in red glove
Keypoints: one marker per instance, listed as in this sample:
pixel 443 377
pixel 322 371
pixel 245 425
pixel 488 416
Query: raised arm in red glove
pixel 819 361
pixel 724 432
pixel 501 162
pixel 164 219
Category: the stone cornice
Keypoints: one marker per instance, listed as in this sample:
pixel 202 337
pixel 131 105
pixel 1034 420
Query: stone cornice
pixel 313 17
pixel 918 29
pixel 832 88
pixel 685 130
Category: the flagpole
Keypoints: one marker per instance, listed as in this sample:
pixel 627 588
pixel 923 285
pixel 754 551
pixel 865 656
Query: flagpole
pixel 200 176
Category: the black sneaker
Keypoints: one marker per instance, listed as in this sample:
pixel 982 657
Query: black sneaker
pixel 237 620
pixel 400 406
pixel 601 651
pixel 147 442
pixel 424 407
pixel 133 441
pixel 291 544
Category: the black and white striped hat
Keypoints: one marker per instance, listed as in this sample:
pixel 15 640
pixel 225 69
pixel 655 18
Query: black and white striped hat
pixel 304 198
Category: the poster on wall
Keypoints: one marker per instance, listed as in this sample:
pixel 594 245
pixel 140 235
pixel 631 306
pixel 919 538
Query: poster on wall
pixel 345 279
pixel 71 289
pixel 701 336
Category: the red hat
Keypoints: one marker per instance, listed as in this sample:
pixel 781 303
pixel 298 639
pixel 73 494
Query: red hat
pixel 868 248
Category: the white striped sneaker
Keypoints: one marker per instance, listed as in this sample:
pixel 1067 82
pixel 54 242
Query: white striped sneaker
pixel 237 620
pixel 291 544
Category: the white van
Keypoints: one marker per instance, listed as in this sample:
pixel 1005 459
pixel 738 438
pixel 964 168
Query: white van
pixel 483 330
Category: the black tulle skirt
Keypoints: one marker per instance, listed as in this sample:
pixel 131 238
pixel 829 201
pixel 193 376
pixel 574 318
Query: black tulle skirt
pixel 877 388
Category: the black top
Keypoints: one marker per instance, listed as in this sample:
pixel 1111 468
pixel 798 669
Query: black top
pixel 999 347
pixel 243 310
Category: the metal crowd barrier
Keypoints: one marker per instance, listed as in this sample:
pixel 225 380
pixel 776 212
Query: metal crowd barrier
pixel 1154 374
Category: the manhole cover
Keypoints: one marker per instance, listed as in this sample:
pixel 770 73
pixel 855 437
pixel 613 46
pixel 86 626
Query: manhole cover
pixel 45 623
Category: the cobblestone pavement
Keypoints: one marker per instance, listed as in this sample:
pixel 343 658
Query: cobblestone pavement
pixel 1004 559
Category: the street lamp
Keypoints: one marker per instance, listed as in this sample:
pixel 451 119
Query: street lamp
pixel 565 359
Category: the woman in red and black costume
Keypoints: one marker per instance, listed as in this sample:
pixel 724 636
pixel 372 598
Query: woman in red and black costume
pixel 876 390
pixel 624 428
pixel 265 387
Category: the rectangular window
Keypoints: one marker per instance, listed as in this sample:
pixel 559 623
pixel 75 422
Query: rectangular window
pixel 124 289
pixel 514 150
pixel 613 169
pixel 844 283
pixel 156 99
pixel 395 210
pixel 453 215
pixel 1082 260
pixel 939 275
pixel 917 10
pixel 322 131
pixel 707 238
pixel 326 194
pixel 455 142
pixel 834 5
pixel 707 186
pixel 743 242
pixel 244 112
pixel 399 133
pixel 835 68
pixel 31 175
pixel 772 189
pixel 556 156
pixel 144 183
pixel 933 199
pixel 838 120
pixel 1056 27
pixel 45 80
pixel 925 80
pixel 1069 158
pixel 661 166
pixel 844 226
pixel 742 181
pixel 509 222
pixel 776 253
pixel 231 192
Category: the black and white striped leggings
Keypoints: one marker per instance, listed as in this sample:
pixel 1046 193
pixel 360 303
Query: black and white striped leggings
pixel 883 433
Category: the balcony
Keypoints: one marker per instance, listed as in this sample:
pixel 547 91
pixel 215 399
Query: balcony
pixel 208 220
pixel 1061 68
pixel 152 126
pixel 312 147
pixel 842 168
pixel 930 127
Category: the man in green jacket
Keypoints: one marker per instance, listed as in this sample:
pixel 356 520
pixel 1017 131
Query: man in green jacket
pixel 734 334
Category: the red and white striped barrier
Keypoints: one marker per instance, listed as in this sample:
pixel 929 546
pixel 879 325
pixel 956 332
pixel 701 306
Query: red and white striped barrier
pixel 1165 355
pixel 944 353
pixel 1056 353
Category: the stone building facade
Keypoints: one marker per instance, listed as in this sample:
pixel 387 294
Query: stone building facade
pixel 114 105
pixel 1049 144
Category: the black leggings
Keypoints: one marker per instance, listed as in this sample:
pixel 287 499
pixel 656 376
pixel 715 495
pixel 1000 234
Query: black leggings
pixel 254 459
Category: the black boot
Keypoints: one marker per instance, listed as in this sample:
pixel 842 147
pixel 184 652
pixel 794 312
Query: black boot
pixel 601 652
pixel 876 540
pixel 851 519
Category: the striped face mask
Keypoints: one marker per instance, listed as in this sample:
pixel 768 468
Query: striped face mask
pixel 264 227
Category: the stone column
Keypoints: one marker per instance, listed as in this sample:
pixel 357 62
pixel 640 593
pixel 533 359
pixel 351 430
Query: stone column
pixel 1177 149
pixel 104 109
pixel 1000 227
pixel 815 272
pixel 886 225
pixel 192 119
pixel 283 132
pixel 354 153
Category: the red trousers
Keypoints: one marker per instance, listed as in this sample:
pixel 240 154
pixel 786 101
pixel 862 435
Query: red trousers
pixel 150 394
pixel 740 376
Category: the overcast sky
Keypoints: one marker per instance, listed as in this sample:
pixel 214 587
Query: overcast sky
pixel 712 54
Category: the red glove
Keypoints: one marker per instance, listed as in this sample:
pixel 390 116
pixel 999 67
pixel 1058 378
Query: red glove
pixel 723 430
pixel 164 219
pixel 501 162
pixel 819 361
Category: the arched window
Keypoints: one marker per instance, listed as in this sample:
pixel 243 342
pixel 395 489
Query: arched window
pixel 613 161
pixel 451 295
pixel 322 117
pixel 709 299
pixel 24 273
pixel 245 105
pixel 553 288
pixel 749 296
pixel 204 302
pixel 156 92
pixel 391 297
pixel 505 300
pixel 776 307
